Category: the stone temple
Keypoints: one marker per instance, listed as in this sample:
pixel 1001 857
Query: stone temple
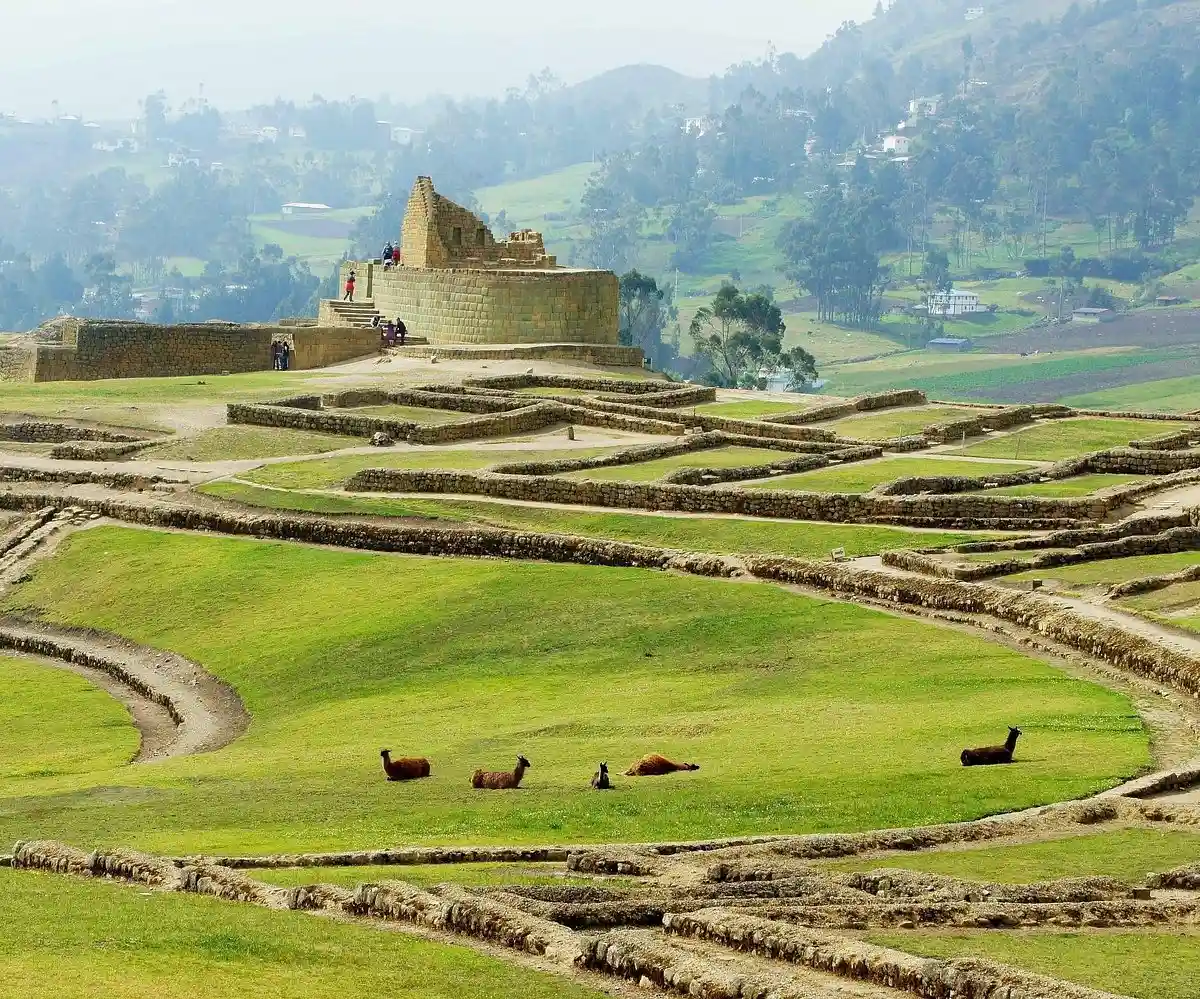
pixel 458 284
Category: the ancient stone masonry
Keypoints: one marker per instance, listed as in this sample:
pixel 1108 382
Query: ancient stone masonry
pixel 92 349
pixel 861 404
pixel 457 285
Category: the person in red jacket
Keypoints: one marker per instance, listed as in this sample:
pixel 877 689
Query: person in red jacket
pixel 349 288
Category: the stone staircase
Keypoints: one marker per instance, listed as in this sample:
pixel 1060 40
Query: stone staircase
pixel 358 314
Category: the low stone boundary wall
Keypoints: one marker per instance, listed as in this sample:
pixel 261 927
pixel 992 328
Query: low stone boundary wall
pixel 1146 584
pixel 688 395
pixel 113 480
pixel 854 959
pixel 1003 419
pixel 1137 414
pixel 708 476
pixel 97 450
pixel 952 512
pixel 619 386
pixel 861 404
pixel 1186 878
pixel 50 432
pixel 753 428
pixel 1174 441
pixel 64 651
pixel 414 857
pixel 1073 537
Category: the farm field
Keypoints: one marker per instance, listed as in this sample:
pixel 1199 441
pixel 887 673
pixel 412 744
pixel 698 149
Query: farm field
pixel 649 471
pixel 246 442
pixel 1127 854
pixel 1053 440
pixel 476 661
pixel 899 422
pixel 863 476
pixel 729 535
pixel 110 941
pixel 1147 965
pixel 1166 395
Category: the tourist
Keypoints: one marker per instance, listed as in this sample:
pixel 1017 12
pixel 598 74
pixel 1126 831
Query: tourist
pixel 284 355
pixel 389 255
pixel 375 321
pixel 350 288
pixel 401 329
pixel 275 355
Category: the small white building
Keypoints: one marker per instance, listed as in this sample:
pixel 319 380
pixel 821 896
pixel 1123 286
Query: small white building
pixel 924 107
pixel 953 303
pixel 897 145
pixel 301 209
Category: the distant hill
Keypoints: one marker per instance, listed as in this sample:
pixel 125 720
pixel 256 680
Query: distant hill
pixel 638 89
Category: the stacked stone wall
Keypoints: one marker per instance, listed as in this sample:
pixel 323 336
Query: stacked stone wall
pixel 462 306
pixel 615 386
pixel 49 432
pixel 952 512
pixel 861 404
pixel 600 354
pixel 1003 419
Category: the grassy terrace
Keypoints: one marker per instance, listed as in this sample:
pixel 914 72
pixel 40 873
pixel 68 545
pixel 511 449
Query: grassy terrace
pixel 484 875
pixel 1079 485
pixel 863 476
pixel 245 442
pixel 1129 854
pixel 407 414
pixel 1053 440
pixel 1153 965
pixel 471 662
pixel 1113 570
pixel 882 424
pixel 725 535
pixel 67 938
pixel 1178 605
pixel 329 472
pixel 649 471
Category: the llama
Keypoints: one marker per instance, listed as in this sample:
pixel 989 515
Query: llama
pixel 989 756
pixel 655 766
pixel 601 782
pixel 411 768
pixel 485 781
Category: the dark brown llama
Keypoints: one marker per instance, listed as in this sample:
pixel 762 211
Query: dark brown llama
pixel 990 756
pixel 409 768
pixel 655 766
pixel 485 781
pixel 601 782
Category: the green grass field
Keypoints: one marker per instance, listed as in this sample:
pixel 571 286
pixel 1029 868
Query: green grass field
pixel 863 476
pixel 650 471
pixel 1053 440
pixel 1177 605
pixel 1167 395
pixel 1113 570
pixel 471 662
pixel 147 402
pixel 1128 854
pixel 886 423
pixel 1079 485
pixel 831 344
pixel 408 414
pixel 244 442
pixel 325 473
pixel 69 938
pixel 1147 965
pixel 725 535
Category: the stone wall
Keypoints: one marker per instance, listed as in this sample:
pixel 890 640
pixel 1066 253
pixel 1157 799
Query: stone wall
pixel 600 354
pixel 861 404
pixel 958 512
pixel 461 306
pixel 51 432
pixel 17 362
pixel 94 349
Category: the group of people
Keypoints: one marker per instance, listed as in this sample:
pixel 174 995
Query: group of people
pixel 391 257
pixel 281 355
pixel 391 334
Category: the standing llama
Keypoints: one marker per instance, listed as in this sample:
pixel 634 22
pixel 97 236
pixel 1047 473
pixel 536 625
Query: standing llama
pixel 655 766
pixel 411 768
pixel 485 781
pixel 990 756
pixel 601 782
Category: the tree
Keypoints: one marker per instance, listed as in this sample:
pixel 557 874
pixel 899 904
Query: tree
pixel 645 309
pixel 936 271
pixel 741 335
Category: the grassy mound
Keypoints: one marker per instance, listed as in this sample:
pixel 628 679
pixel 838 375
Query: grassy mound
pixel 75 939
pixel 857 718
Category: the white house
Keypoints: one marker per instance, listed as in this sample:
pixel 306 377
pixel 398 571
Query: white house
pixel 924 107
pixel 953 303
pixel 897 145
pixel 304 209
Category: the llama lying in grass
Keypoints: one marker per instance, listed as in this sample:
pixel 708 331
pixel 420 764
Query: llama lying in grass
pixel 485 781
pixel 989 756
pixel 601 782
pixel 412 768
pixel 655 766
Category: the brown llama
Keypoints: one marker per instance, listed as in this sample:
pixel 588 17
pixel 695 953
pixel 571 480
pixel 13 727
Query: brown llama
pixel 601 782
pixel 655 766
pixel 990 756
pixel 485 781
pixel 409 768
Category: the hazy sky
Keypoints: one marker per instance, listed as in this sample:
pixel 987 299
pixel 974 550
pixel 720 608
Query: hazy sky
pixel 99 57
